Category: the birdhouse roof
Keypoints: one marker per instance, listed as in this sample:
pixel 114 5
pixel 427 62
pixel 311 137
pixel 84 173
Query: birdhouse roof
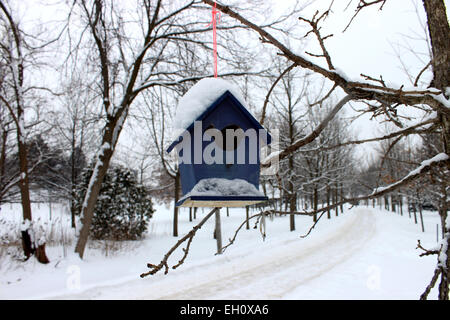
pixel 202 99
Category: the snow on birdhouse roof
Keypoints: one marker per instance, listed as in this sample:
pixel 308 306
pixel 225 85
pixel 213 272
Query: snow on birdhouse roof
pixel 198 99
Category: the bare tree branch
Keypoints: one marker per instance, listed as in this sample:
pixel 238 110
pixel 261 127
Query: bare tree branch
pixel 361 5
pixel 431 285
pixel 266 100
pixel 313 135
pixel 359 90
pixel 189 237
pixel 426 252
pixel 407 131
pixel 314 23
pixel 421 72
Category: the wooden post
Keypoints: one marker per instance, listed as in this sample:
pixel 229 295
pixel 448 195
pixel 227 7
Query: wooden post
pixel 218 232
pixel 247 224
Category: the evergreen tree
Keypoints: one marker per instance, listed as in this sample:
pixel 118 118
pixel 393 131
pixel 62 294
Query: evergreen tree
pixel 123 209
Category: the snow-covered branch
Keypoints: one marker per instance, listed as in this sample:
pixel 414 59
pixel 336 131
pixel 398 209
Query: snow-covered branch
pixel 424 167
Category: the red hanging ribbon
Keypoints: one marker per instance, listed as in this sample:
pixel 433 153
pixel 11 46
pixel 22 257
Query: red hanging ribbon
pixel 214 23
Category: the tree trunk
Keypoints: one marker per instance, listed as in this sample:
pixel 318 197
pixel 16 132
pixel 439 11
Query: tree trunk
pixel 101 167
pixel 17 67
pixel 316 202
pixel 3 159
pixel 439 31
pixel 293 208
pixel 386 203
pixel 415 213
pixel 328 202
pixel 421 219
pixel 292 221
pixel 27 244
pixel 72 182
pixel 336 199
pixel 88 207
pixel 400 199
pixel 409 207
pixel 29 248
pixel 40 254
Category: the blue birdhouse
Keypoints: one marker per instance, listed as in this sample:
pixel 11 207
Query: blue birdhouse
pixel 217 142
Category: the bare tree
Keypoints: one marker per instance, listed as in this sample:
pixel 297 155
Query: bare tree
pixel 74 125
pixel 14 49
pixel 287 100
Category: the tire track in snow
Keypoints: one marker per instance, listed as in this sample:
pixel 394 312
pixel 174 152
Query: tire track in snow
pixel 271 275
pixel 262 274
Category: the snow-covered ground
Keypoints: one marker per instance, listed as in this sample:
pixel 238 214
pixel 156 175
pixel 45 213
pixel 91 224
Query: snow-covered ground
pixel 364 253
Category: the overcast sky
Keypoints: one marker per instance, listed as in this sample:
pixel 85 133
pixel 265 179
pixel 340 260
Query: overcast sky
pixel 367 45
pixel 373 43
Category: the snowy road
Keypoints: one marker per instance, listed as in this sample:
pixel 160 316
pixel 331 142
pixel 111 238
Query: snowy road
pixel 251 276
pixel 271 273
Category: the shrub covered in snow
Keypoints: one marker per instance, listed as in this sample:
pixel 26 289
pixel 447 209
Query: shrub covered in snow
pixel 123 208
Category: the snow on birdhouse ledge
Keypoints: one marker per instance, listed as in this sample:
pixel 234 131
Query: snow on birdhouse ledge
pixel 223 192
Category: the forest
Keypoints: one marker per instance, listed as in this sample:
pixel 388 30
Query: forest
pixel 89 92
